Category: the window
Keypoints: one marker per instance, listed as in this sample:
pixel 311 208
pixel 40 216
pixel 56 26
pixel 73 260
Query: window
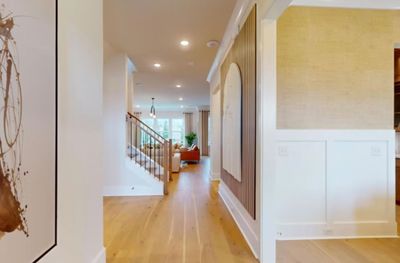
pixel 162 127
pixel 167 128
pixel 149 122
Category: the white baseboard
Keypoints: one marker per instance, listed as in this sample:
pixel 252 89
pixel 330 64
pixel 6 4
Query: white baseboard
pixel 101 257
pixel 133 190
pixel 352 230
pixel 247 225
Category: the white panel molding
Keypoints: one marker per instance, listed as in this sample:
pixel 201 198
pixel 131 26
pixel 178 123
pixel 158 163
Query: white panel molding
pixel 247 225
pixel 101 257
pixel 131 191
pixel 344 184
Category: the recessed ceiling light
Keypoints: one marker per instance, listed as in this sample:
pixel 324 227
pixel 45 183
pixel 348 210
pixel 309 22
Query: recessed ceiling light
pixel 184 43
pixel 178 86
pixel 180 98
pixel 137 106
pixel 157 65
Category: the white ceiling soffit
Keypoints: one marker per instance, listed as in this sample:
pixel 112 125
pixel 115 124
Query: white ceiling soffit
pixel 363 4
pixel 150 32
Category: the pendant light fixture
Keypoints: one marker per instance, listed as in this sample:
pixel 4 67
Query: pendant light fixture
pixel 152 109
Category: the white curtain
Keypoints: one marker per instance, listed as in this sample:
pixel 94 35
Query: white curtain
pixel 188 119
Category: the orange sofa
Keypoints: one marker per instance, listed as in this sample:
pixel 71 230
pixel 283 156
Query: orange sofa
pixel 190 155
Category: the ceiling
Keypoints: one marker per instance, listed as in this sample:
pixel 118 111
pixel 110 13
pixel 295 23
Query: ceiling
pixel 150 31
pixel 368 4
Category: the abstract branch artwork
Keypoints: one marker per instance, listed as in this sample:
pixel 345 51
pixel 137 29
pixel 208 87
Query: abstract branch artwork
pixel 11 140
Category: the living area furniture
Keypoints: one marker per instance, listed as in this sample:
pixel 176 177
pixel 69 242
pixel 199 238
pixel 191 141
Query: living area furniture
pixel 176 162
pixel 190 155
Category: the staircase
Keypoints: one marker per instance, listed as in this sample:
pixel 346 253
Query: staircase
pixel 149 149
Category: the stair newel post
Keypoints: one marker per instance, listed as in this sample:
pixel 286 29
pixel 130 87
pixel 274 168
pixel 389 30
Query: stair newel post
pixel 170 154
pixel 165 161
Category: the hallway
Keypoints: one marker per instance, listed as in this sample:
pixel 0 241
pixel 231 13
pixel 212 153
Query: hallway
pixel 191 224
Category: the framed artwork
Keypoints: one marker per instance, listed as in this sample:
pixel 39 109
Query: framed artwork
pixel 28 129
pixel 232 123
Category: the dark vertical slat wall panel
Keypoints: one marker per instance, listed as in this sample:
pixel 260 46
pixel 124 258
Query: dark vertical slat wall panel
pixel 243 53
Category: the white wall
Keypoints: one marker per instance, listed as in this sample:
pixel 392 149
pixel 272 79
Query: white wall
pixel 215 130
pixel 121 176
pixel 80 173
pixel 335 184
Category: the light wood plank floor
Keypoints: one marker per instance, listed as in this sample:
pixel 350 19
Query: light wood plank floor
pixel 190 225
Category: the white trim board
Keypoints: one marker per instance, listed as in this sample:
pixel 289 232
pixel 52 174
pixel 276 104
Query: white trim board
pixel 335 184
pixel 247 225
pixel 138 190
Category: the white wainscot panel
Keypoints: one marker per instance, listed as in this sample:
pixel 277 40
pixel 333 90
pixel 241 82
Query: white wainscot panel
pixel 335 184
pixel 301 182
pixel 358 180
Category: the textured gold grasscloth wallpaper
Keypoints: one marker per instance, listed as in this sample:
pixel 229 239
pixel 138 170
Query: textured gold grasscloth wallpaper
pixel 335 68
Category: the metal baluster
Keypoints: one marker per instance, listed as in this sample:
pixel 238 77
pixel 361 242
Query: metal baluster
pixel 152 159
pixel 141 148
pixel 145 152
pixel 136 146
pixel 151 155
pixel 159 160
pixel 130 135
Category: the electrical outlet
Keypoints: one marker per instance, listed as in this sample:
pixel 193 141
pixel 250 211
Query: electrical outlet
pixel 283 151
pixel 376 151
